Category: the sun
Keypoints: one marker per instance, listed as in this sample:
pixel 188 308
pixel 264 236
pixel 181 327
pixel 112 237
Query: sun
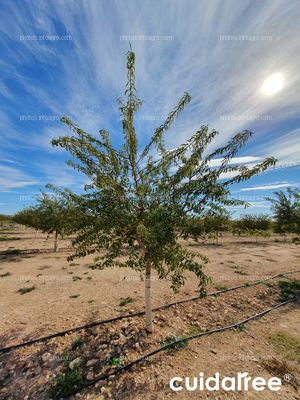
pixel 273 84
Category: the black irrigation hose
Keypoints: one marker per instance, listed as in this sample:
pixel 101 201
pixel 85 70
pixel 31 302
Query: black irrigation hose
pixel 167 346
pixel 136 314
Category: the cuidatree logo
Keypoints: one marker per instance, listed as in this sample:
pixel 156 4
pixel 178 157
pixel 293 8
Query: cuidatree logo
pixel 241 382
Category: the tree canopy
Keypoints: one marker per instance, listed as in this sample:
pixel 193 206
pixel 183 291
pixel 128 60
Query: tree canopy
pixel 286 210
pixel 138 199
pixel 52 214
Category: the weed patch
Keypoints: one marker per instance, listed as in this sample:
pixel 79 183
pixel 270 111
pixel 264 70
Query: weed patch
pixel 5 274
pixel 115 361
pixel 125 300
pixel 286 344
pixel 221 287
pixel 6 239
pixel 26 289
pixel 281 369
pixel 289 289
pixel 77 343
pixel 10 252
pixel 66 383
pixel 176 346
pixel 240 328
pixel 240 272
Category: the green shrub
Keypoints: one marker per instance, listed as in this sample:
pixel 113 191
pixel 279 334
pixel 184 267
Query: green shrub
pixel 115 361
pixel 78 342
pixel 26 289
pixel 125 300
pixel 66 383
pixel 5 274
pixel 286 344
pixel 289 289
pixel 176 346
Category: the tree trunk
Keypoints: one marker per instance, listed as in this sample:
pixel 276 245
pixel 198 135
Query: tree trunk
pixel 148 308
pixel 56 241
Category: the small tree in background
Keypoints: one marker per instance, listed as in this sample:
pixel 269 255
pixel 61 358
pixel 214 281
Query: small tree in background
pixel 210 225
pixel 28 217
pixel 254 221
pixel 286 211
pixel 4 220
pixel 257 225
pixel 216 222
pixel 51 215
pixel 138 201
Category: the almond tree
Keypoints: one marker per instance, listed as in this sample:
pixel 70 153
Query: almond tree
pixel 208 225
pixel 138 199
pixel 52 214
pixel 286 211
pixel 254 225
pixel 4 219
pixel 27 217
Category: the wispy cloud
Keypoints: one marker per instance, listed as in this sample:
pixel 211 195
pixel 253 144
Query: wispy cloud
pixel 267 187
pixel 285 147
pixel 84 77
pixel 11 178
pixel 235 160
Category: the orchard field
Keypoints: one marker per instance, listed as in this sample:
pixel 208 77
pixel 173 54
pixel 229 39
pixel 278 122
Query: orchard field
pixel 42 293
pixel 151 274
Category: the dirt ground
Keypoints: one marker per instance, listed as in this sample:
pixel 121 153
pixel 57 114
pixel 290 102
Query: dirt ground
pixel 65 295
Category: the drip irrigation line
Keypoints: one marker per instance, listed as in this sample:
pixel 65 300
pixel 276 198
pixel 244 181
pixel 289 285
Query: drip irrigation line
pixel 136 314
pixel 186 338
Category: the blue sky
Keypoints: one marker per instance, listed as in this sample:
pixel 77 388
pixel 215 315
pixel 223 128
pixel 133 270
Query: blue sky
pixel 67 57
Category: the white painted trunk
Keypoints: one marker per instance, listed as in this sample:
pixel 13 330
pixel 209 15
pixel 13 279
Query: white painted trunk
pixel 148 307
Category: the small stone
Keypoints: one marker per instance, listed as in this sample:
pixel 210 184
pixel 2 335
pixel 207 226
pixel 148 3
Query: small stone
pixel 3 374
pixel 38 371
pixel 137 346
pixel 12 367
pixel 101 383
pixel 125 326
pixel 90 376
pixel 75 362
pixel 122 339
pixel 45 357
pixel 94 331
pixel 92 362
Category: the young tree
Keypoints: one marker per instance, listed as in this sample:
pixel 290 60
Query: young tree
pixel 5 221
pixel 138 201
pixel 209 225
pixel 253 225
pixel 286 211
pixel 51 215
pixel 27 217
pixel 215 222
